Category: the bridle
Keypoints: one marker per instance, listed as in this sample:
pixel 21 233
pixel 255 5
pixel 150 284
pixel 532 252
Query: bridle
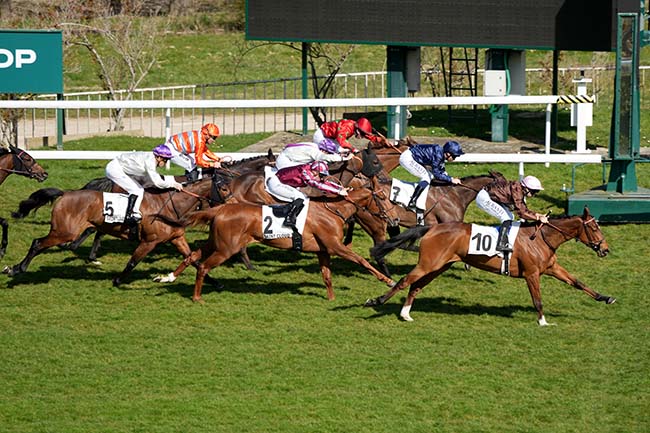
pixel 377 196
pixel 20 165
pixel 592 243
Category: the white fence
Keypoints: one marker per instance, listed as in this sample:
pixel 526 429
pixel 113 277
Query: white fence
pixel 398 103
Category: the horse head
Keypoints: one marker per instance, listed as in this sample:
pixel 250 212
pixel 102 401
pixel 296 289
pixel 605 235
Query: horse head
pixel 27 166
pixel 591 235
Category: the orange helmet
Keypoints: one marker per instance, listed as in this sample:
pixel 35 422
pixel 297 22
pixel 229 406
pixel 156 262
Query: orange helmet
pixel 364 125
pixel 210 130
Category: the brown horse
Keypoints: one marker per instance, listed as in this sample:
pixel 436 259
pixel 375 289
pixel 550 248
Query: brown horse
pixel 445 203
pixel 534 255
pixel 233 226
pixel 16 161
pixel 249 188
pixel 76 211
pixel 221 176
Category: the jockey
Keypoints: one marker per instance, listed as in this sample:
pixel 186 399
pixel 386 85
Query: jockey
pixel 303 153
pixel 125 166
pixel 190 149
pixel 502 195
pixel 286 181
pixel 416 157
pixel 343 129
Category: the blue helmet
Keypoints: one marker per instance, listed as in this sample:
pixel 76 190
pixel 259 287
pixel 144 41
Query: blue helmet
pixel 453 148
pixel 329 146
pixel 162 151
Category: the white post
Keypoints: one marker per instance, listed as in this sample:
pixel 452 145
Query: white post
pixel 397 123
pixel 547 135
pixel 581 116
pixel 168 130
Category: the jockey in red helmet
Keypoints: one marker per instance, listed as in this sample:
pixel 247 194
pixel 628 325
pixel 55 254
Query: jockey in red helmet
pixel 344 129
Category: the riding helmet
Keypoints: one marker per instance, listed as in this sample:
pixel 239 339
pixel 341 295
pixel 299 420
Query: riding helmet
pixel 329 146
pixel 162 151
pixel 453 148
pixel 364 125
pixel 532 183
pixel 210 130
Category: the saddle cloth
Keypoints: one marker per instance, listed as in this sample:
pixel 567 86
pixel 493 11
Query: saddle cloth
pixel 483 239
pixel 114 209
pixel 273 217
pixel 402 191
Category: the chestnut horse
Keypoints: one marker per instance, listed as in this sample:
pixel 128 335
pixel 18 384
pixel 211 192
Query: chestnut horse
pixel 76 211
pixel 16 161
pixel 533 255
pixel 233 226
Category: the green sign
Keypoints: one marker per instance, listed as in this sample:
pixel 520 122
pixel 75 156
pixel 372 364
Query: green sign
pixel 31 61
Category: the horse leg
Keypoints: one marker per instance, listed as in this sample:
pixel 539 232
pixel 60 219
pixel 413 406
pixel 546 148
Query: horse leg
pixel 416 273
pixel 214 260
pixel 344 252
pixel 140 252
pixel 243 254
pixel 38 246
pixel 86 233
pixel 5 239
pixel 349 232
pixel 415 289
pixel 533 287
pixel 324 260
pixel 192 259
pixel 97 242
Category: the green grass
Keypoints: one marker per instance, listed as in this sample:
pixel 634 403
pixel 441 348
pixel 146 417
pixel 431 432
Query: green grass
pixel 269 353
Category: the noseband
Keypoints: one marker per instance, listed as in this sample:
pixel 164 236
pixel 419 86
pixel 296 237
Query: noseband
pixel 20 166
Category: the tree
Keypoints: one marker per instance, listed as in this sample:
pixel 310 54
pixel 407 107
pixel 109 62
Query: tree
pixel 123 45
pixel 328 57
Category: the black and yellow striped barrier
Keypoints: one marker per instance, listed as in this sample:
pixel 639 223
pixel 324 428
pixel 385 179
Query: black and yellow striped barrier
pixel 575 99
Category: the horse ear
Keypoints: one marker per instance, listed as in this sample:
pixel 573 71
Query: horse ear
pixel 585 213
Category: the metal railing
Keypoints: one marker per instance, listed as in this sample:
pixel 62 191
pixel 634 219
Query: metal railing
pixel 38 123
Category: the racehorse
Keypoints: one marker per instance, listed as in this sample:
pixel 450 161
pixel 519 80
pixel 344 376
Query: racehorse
pixel 75 211
pixel 533 255
pixel 249 188
pixel 223 175
pixel 16 161
pixel 233 226
pixel 445 203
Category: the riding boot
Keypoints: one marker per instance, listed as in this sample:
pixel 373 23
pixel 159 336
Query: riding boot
pixel 416 194
pixel 130 216
pixel 192 176
pixel 502 242
pixel 292 214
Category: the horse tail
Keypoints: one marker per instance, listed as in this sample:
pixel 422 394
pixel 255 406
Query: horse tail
pixel 36 200
pixel 408 237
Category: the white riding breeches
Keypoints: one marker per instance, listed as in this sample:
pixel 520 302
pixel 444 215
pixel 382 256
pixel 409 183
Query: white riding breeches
pixel 115 173
pixel 497 210
pixel 415 168
pixel 282 191
pixel 182 160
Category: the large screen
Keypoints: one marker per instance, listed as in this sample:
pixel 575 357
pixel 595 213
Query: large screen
pixel 576 25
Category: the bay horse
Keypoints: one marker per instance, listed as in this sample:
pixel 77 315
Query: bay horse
pixel 77 210
pixel 16 161
pixel 533 255
pixel 223 175
pixel 235 225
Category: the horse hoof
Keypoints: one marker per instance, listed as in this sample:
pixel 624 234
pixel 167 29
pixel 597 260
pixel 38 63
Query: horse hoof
pixel 169 278
pixel 406 317
pixel 391 283
pixel 8 270
pixel 372 302
pixel 611 300
pixel 116 282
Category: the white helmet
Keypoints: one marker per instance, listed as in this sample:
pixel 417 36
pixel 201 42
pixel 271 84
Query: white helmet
pixel 532 183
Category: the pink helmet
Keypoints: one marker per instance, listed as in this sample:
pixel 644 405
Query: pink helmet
pixel 162 151
pixel 532 183
pixel 364 125
pixel 321 167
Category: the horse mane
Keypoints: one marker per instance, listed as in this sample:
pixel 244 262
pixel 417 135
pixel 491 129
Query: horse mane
pixel 4 151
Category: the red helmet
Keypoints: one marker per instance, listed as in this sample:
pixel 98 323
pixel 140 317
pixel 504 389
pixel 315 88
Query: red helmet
pixel 364 125
pixel 320 167
pixel 210 130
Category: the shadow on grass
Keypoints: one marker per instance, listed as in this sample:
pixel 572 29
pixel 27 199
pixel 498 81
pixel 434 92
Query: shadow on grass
pixel 450 306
